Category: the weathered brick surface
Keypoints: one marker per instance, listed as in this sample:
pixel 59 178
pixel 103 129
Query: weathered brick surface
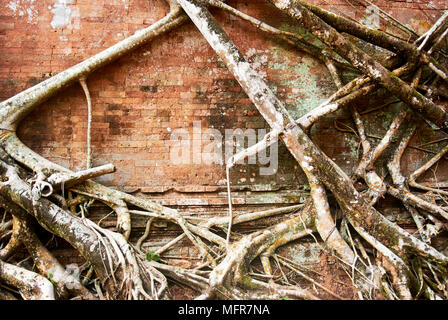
pixel 166 85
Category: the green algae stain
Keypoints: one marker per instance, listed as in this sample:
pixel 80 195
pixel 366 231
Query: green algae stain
pixel 304 78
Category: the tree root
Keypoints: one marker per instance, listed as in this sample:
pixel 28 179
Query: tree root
pixel 406 267
pixel 31 285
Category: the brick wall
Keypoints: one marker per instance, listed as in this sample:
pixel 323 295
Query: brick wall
pixel 171 83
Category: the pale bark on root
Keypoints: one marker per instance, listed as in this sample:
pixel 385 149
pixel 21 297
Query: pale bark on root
pixel 364 62
pixel 366 169
pixel 368 160
pixel 45 262
pixel 325 224
pixel 326 55
pixel 5 226
pixel 409 200
pixel 426 37
pixel 115 198
pixel 122 269
pixel 14 243
pixel 417 173
pixel 109 254
pixel 347 95
pixel 403 279
pixel 85 88
pixel 233 270
pixel 376 37
pixel 394 164
pixel 17 107
pixel 302 148
pixel 6 295
pixel 32 286
pixel 230 278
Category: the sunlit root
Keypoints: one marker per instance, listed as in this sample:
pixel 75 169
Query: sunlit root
pixel 14 241
pixel 379 256
pixel 112 257
pixel 32 286
pixel 232 271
